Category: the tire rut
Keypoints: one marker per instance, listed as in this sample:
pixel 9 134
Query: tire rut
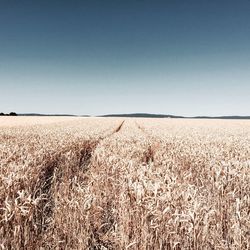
pixel 119 127
pixel 48 181
pixel 52 172
pixel 87 152
pixel 150 152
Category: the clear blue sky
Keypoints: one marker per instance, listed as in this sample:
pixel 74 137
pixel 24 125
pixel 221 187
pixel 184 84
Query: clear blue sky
pixel 121 56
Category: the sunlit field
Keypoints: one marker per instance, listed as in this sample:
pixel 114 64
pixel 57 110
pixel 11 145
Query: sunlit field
pixel 116 183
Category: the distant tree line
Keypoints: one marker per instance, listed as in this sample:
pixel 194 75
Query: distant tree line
pixel 10 114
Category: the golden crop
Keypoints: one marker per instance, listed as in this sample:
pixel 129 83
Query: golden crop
pixel 114 183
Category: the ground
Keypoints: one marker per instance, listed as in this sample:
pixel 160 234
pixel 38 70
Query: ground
pixel 120 183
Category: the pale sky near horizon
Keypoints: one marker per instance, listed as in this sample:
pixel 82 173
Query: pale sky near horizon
pixel 99 57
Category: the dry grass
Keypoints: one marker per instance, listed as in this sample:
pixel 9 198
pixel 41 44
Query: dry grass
pixel 100 183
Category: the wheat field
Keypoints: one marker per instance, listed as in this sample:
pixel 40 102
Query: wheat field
pixel 116 183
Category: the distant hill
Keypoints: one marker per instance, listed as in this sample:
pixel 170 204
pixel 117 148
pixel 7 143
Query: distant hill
pixel 146 115
pixel 143 115
pixel 222 117
pixel 37 114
